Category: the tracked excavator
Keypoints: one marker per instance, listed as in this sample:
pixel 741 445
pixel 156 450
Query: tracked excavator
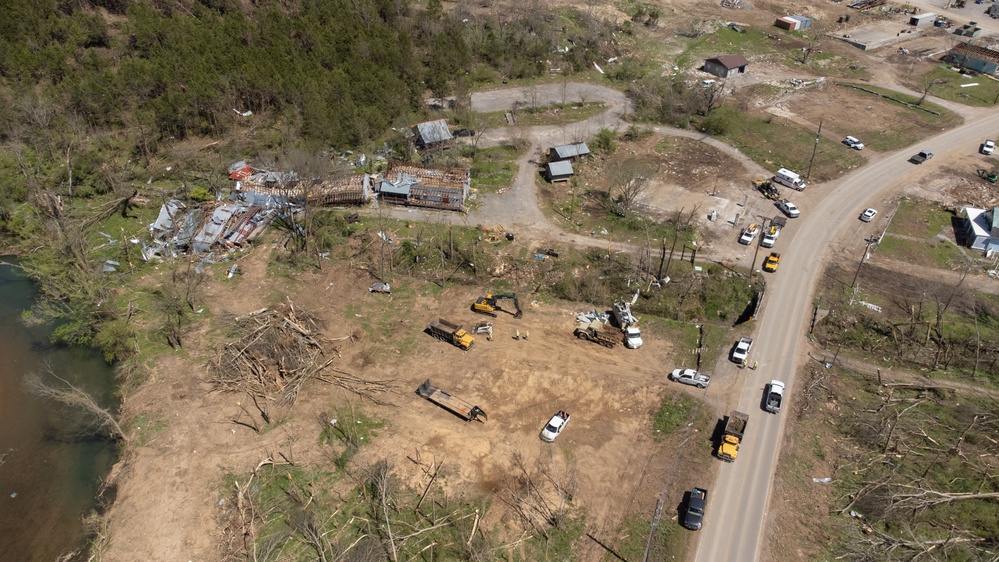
pixel 487 305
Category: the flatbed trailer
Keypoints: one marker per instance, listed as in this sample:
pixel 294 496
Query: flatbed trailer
pixel 464 410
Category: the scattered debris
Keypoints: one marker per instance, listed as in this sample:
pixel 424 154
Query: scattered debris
pixel 380 288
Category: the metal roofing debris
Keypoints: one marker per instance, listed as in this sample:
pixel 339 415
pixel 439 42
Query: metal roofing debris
pixel 592 315
pixel 571 150
pixel 168 211
pixel 557 169
pixel 213 229
pixel 432 132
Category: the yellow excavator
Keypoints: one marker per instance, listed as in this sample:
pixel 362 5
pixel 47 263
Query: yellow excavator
pixel 487 304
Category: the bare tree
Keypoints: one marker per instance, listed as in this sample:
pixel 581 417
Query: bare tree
pixel 100 419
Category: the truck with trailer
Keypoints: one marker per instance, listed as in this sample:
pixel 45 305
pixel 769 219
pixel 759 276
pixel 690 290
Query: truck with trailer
pixel 464 410
pixel 735 428
pixel 772 231
pixel 451 333
pixel 789 178
pixel 596 332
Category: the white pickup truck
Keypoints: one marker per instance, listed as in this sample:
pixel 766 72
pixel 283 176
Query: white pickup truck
pixel 741 350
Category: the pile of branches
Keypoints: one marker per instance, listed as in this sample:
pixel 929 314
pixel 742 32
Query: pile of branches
pixel 277 352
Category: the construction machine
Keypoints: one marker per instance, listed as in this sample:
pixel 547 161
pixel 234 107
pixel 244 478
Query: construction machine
pixel 487 304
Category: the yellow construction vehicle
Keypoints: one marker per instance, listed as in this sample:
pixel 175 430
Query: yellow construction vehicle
pixel 487 304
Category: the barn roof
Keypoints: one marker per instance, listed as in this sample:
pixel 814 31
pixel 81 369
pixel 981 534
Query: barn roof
pixel 974 51
pixel 560 168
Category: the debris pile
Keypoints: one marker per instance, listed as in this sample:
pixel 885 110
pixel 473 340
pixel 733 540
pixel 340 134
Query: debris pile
pixel 276 353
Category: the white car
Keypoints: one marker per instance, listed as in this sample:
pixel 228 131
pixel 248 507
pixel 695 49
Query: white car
pixel 988 146
pixel 854 143
pixel 555 426
pixel 868 215
pixel 691 377
pixel 788 208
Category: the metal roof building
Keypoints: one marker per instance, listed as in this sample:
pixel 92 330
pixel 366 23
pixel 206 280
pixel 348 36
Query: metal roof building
pixel 431 133
pixel 558 171
pixel 568 151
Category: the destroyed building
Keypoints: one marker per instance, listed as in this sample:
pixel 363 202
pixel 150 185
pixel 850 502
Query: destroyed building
pixel 425 186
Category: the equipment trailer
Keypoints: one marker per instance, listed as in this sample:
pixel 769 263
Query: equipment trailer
pixel 457 406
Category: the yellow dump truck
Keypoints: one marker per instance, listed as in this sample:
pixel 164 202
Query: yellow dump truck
pixel 451 333
pixel 735 428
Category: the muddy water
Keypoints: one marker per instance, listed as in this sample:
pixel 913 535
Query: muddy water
pixel 49 475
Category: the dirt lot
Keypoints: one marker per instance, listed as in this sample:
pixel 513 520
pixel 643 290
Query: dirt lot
pixel 177 477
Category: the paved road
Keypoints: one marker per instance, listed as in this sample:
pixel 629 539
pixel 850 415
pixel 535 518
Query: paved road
pixel 743 488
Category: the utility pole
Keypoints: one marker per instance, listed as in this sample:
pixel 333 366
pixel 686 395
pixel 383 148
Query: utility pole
pixel 862 258
pixel 759 242
pixel 808 174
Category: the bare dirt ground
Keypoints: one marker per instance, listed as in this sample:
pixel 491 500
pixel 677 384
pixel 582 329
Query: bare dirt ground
pixel 174 482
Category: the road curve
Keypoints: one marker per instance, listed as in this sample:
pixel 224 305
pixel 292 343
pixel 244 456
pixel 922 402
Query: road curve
pixel 743 488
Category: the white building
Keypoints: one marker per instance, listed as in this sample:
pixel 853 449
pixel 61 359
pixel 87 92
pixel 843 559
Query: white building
pixel 979 229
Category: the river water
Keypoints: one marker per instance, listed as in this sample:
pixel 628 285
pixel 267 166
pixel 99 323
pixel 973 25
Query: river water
pixel 48 476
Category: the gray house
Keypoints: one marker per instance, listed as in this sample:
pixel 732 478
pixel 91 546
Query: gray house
pixel 431 134
pixel 726 65
pixel 558 171
pixel 568 151
pixel 978 229
pixel 973 57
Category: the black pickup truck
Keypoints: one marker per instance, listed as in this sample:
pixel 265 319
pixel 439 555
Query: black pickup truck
pixel 695 509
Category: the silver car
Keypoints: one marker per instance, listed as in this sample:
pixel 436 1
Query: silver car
pixel 691 377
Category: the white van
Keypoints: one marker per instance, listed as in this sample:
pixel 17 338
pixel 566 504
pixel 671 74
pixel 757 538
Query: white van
pixel 853 142
pixel 789 178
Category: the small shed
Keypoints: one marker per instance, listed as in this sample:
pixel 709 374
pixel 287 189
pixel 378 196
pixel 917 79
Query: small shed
pixel 726 65
pixel 558 171
pixel 923 20
pixel 788 23
pixel 568 151
pixel 430 134
pixel 973 57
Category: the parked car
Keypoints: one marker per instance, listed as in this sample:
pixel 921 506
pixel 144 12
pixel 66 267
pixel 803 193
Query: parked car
pixel 788 208
pixel 464 133
pixel 555 426
pixel 923 156
pixel 988 147
pixel 741 350
pixel 868 215
pixel 691 377
pixel 853 142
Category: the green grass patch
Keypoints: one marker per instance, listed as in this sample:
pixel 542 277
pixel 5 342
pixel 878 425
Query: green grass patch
pixel 668 543
pixel 773 143
pixel 724 40
pixel 673 414
pixel 494 167
pixel 937 254
pixel 527 115
pixel 984 94
pixel 921 219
